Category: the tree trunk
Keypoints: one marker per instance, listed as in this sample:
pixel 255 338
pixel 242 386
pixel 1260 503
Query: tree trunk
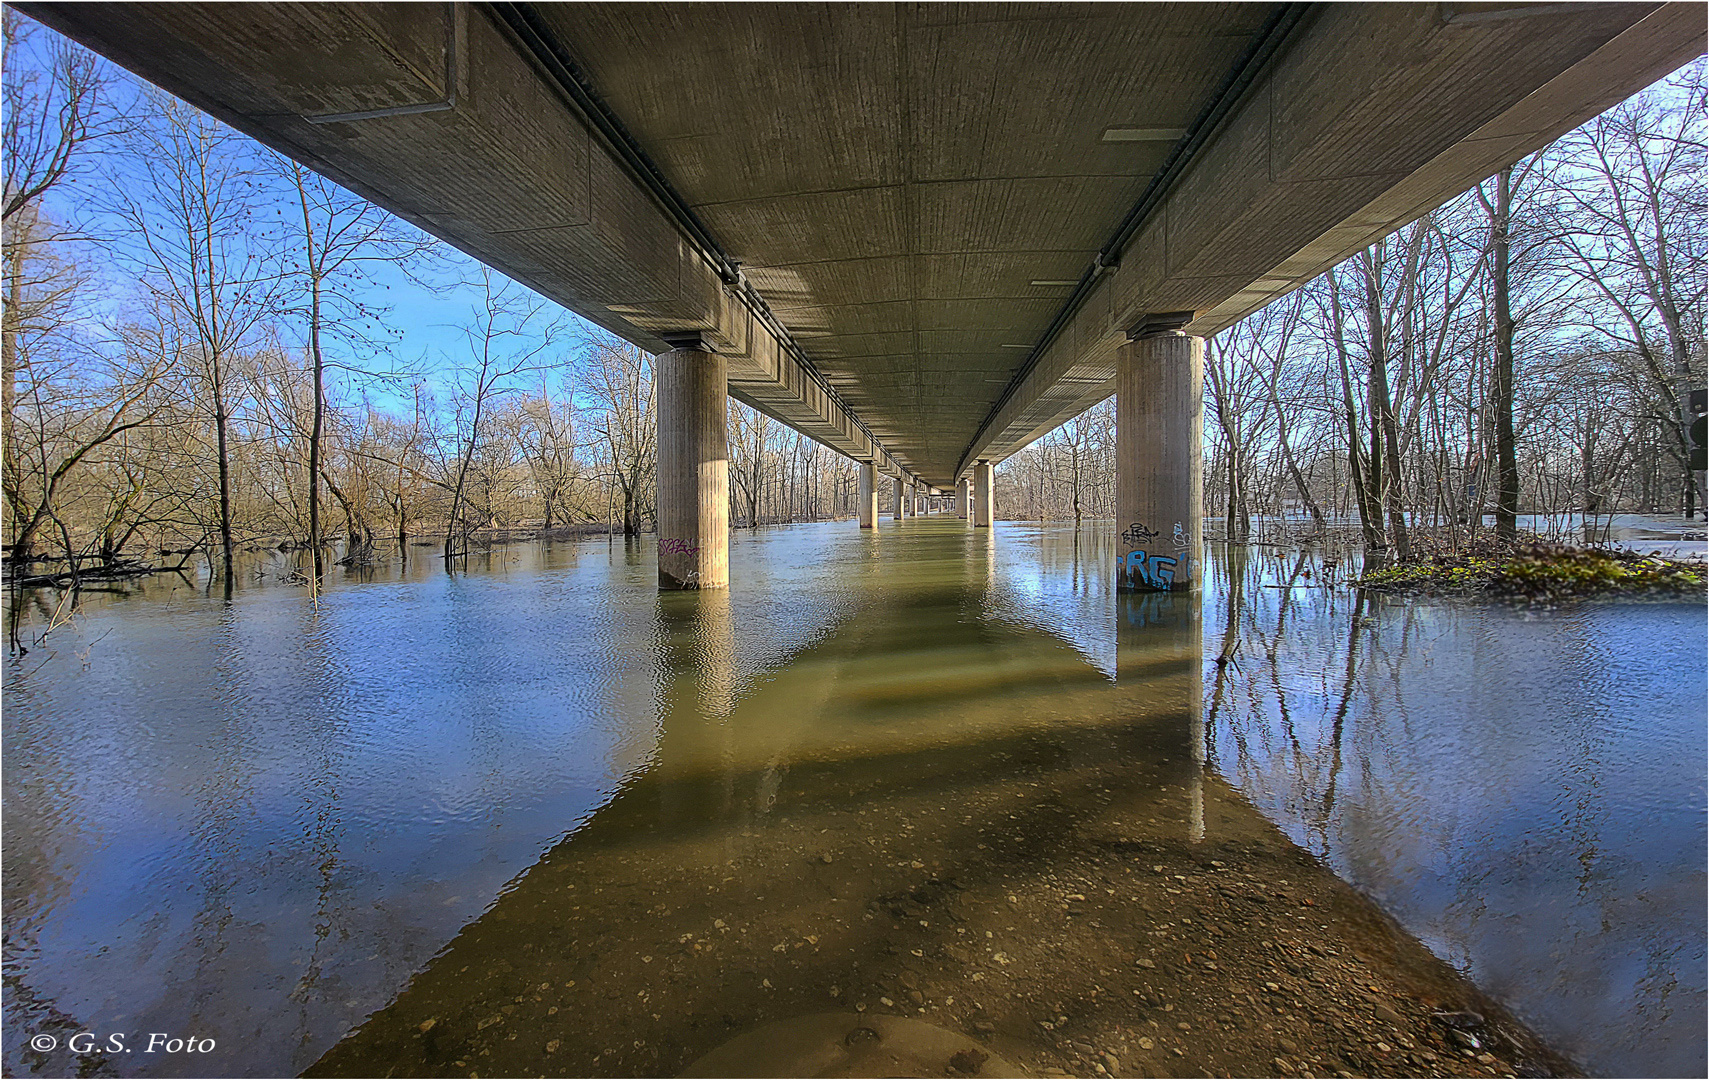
pixel 1363 478
pixel 1501 389
pixel 221 421
pixel 481 386
pixel 9 385
pixel 1288 459
pixel 1385 444
pixel 358 537
pixel 317 426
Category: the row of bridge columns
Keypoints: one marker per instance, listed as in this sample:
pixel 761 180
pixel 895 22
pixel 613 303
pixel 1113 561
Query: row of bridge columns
pixel 1159 468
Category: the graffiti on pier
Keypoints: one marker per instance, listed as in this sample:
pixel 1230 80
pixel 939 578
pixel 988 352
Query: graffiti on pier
pixel 1151 571
pixel 673 546
pixel 1137 533
pixel 1181 543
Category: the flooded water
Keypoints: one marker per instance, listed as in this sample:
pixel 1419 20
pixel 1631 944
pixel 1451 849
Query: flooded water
pixel 1523 789
pixel 254 821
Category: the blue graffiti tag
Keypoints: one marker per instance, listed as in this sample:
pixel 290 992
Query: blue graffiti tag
pixel 1156 571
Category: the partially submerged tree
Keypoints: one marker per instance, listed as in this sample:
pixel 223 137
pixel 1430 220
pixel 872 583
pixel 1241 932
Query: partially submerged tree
pixel 511 334
pixel 203 251
pixel 340 242
pixel 616 402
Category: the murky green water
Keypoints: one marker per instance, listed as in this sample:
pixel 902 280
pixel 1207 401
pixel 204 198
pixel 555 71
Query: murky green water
pixel 253 821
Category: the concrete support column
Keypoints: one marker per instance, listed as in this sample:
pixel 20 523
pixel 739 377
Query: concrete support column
pixel 693 470
pixel 963 498
pixel 984 499
pixel 896 507
pixel 867 508
pixel 1159 465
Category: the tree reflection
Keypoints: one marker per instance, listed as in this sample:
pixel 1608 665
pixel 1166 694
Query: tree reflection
pixel 1494 777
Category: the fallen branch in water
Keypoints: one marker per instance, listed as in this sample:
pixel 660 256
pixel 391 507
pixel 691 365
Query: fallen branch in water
pixel 116 572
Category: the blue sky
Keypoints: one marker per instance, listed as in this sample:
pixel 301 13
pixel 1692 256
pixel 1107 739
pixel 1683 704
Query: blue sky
pixel 431 313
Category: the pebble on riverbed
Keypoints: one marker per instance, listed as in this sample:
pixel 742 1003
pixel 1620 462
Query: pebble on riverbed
pixel 1084 950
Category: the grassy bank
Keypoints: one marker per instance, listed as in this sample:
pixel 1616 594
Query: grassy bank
pixel 1543 572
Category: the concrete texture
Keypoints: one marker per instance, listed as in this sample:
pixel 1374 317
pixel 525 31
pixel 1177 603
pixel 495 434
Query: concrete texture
pixel 694 471
pixel 1160 474
pixel 984 494
pixel 867 508
pixel 913 189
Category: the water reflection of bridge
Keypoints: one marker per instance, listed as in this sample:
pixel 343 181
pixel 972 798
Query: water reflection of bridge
pixel 921 757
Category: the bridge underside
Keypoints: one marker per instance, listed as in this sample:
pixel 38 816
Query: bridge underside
pixel 924 234
pixel 919 193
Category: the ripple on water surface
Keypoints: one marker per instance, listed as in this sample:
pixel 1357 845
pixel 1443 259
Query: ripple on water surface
pixel 1522 788
pixel 256 821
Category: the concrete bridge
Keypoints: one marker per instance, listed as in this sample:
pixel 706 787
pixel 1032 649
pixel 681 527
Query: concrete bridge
pixel 923 234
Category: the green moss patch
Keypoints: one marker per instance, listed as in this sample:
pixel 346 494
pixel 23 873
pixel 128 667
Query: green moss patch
pixel 1542 572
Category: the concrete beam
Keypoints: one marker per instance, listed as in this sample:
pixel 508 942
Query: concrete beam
pixel 876 246
pixel 1368 117
pixel 503 165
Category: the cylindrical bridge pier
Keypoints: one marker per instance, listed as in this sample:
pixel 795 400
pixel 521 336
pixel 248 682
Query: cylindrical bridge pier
pixel 1159 472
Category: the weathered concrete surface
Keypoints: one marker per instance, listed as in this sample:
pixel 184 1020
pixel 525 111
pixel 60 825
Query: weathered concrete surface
pixel 908 187
pixel 694 471
pixel 868 506
pixel 984 494
pixel 1160 470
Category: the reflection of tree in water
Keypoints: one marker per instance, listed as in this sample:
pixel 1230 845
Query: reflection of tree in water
pixel 322 837
pixel 41 795
pixel 1462 764
pixel 1262 651
pixel 223 799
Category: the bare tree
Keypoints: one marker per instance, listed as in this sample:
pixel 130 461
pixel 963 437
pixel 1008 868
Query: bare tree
pixel 1636 238
pixel 617 407
pixel 510 333
pixel 203 251
pixel 57 114
pixel 75 398
pixel 543 430
pixel 750 434
pixel 342 242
